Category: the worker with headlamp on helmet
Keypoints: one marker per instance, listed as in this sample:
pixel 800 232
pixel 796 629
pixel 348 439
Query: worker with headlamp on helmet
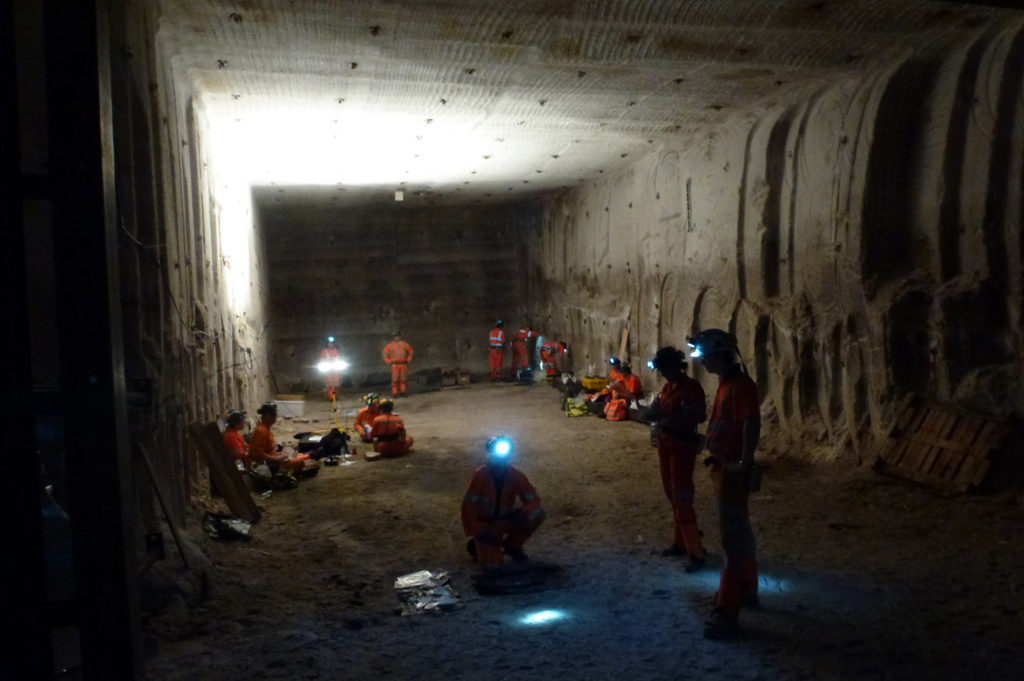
pixel 490 516
pixel 364 418
pixel 733 433
pixel 496 343
pixel 331 366
pixel 674 415
pixel 389 435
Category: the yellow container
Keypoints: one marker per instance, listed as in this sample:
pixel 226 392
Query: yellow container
pixel 594 382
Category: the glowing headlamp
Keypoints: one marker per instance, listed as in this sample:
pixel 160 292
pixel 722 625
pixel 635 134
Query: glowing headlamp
pixel 500 447
pixel 333 366
pixel 650 365
pixel 330 339
pixel 696 351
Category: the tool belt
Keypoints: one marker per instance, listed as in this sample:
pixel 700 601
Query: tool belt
pixel 497 346
pixel 518 340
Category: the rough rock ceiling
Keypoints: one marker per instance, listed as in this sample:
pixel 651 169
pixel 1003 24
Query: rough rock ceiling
pixel 470 99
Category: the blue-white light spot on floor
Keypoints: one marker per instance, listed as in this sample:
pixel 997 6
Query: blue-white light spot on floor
pixel 543 617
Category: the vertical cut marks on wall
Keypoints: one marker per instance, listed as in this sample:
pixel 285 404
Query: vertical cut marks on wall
pixel 998 198
pixel 775 174
pixel 886 248
pixel 908 342
pixel 953 169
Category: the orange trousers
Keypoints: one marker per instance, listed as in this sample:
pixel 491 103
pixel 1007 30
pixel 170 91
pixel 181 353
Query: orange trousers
pixel 739 576
pixel 494 363
pixel 676 462
pixel 391 448
pixel 491 538
pixel 398 378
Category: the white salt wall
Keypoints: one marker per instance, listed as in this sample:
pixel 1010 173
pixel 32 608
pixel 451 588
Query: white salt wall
pixel 862 240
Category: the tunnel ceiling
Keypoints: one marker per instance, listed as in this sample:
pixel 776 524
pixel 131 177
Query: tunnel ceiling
pixel 463 100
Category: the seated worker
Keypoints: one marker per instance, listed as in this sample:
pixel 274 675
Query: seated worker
pixel 617 408
pixel 490 517
pixel 237 449
pixel 262 448
pixel 389 432
pixel 620 378
pixel 364 419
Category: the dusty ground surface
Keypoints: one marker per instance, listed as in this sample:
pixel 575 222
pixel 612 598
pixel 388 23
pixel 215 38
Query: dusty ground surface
pixel 863 576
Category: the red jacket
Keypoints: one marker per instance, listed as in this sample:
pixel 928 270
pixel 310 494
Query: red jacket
pixel 497 337
pixel 397 351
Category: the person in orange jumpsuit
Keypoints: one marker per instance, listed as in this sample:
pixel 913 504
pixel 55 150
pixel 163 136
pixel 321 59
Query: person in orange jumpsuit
pixel 398 354
pixel 734 429
pixel 233 440
pixel 490 516
pixel 263 449
pixel 617 408
pixel 549 355
pixel 675 414
pixel 364 419
pixel 616 377
pixel 496 343
pixel 328 360
pixel 519 358
pixel 389 435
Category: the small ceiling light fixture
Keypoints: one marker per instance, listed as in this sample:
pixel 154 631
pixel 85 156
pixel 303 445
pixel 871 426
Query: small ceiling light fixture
pixel 399 195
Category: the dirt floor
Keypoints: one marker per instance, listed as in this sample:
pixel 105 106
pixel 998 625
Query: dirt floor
pixel 862 576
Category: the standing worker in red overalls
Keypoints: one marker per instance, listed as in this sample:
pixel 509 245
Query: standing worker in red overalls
pixel 675 414
pixel 496 342
pixel 734 430
pixel 398 354
pixel 519 360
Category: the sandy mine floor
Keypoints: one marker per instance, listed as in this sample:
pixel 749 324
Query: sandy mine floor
pixel 863 576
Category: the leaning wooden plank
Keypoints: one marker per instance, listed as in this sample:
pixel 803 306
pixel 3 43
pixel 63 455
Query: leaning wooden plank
pixel 940 443
pixel 222 469
pixel 963 435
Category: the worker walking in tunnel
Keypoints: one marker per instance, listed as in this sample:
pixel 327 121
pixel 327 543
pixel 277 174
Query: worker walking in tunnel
pixel 491 518
pixel 520 360
pixel 733 433
pixel 364 418
pixel 389 437
pixel 674 416
pixel 496 343
pixel 398 355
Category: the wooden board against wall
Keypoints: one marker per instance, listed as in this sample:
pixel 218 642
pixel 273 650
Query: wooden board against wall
pixel 225 475
pixel 940 445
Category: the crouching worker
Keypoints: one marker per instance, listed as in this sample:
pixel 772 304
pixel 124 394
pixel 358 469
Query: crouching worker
pixel 389 432
pixel 364 419
pixel 263 449
pixel 490 516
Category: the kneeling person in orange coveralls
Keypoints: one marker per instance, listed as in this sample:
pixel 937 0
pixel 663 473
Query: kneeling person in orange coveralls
pixel 389 432
pixel 490 516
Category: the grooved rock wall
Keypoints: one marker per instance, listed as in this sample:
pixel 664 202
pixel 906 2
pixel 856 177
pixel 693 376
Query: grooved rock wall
pixel 441 275
pixel 863 241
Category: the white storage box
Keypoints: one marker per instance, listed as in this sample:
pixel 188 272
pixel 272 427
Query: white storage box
pixel 291 408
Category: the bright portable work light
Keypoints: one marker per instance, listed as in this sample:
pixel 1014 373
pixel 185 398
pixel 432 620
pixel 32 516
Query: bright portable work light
pixel 326 367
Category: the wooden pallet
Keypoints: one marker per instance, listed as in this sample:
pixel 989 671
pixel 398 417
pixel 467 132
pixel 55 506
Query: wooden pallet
pixel 939 445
